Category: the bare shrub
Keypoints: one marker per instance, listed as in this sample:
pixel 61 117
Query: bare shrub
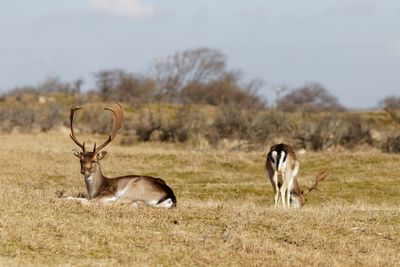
pixel 312 97
pixel 20 93
pixel 94 121
pixel 177 71
pixel 268 125
pixel 135 89
pixel 53 84
pixel 227 90
pixel 187 123
pixel 332 131
pixel 356 131
pixel 391 105
pixel 106 82
pixel 253 126
pixel 118 85
pixel 231 122
pixel 390 102
pixel 148 123
pixel 49 116
pixel 23 118
pixel 392 145
pixel 5 118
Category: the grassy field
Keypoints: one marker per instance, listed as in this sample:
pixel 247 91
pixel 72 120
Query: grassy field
pixel 225 214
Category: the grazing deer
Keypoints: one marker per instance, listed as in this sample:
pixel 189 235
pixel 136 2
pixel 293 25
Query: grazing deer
pixel 125 189
pixel 282 167
pixel 298 197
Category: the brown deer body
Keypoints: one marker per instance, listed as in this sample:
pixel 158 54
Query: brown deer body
pixel 282 167
pixel 133 189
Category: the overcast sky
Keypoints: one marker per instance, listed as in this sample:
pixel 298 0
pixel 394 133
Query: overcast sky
pixel 352 47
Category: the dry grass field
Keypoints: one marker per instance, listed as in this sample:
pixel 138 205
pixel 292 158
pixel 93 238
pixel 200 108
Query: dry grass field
pixel 224 217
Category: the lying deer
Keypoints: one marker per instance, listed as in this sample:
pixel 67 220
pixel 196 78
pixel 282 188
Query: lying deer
pixel 125 189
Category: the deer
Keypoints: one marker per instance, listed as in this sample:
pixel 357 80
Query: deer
pixel 129 189
pixel 282 167
pixel 298 197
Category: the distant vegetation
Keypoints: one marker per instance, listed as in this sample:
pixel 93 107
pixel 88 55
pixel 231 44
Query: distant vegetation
pixel 192 97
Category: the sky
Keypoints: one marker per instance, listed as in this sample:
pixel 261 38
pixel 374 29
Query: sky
pixel 352 47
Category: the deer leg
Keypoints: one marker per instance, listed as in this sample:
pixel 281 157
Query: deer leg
pixel 283 194
pixel 289 188
pixel 105 199
pixel 276 189
pixel 285 190
pixel 288 194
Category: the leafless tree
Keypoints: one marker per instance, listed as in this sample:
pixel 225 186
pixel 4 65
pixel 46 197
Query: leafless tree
pixel 391 105
pixel 53 84
pixel 181 69
pixel 106 81
pixel 77 85
pixel 227 90
pixel 118 85
pixel 312 97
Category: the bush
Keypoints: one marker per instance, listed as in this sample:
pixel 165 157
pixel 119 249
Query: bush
pixel 49 117
pixel 231 122
pixel 187 123
pixel 117 85
pixel 269 125
pixel 310 98
pixel 178 71
pixel 332 131
pixel 227 90
pixel 391 105
pixel 392 145
pixel 148 123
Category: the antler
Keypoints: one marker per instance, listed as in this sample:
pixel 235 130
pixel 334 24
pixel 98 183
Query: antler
pixel 117 112
pixel 320 176
pixel 72 135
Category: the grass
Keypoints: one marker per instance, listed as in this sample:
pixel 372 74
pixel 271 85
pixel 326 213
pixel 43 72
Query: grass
pixel 224 215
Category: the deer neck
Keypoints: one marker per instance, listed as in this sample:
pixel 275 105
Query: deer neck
pixel 94 181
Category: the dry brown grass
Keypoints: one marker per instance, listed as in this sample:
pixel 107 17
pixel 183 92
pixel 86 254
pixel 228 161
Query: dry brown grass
pixel 224 215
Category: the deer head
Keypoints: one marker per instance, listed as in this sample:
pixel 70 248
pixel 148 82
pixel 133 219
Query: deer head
pixel 299 197
pixel 89 159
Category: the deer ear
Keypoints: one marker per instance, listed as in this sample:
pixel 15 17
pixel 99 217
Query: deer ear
pixel 101 155
pixel 77 152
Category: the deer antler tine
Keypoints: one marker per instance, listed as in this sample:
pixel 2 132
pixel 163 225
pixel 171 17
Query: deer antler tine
pixel 118 115
pixel 320 176
pixel 72 134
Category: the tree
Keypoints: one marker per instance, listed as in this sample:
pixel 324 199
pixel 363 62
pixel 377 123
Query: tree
pixel 227 90
pixel 53 84
pixel 390 102
pixel 312 97
pixel 181 69
pixel 77 85
pixel 106 81
pixel 391 105
pixel 118 85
